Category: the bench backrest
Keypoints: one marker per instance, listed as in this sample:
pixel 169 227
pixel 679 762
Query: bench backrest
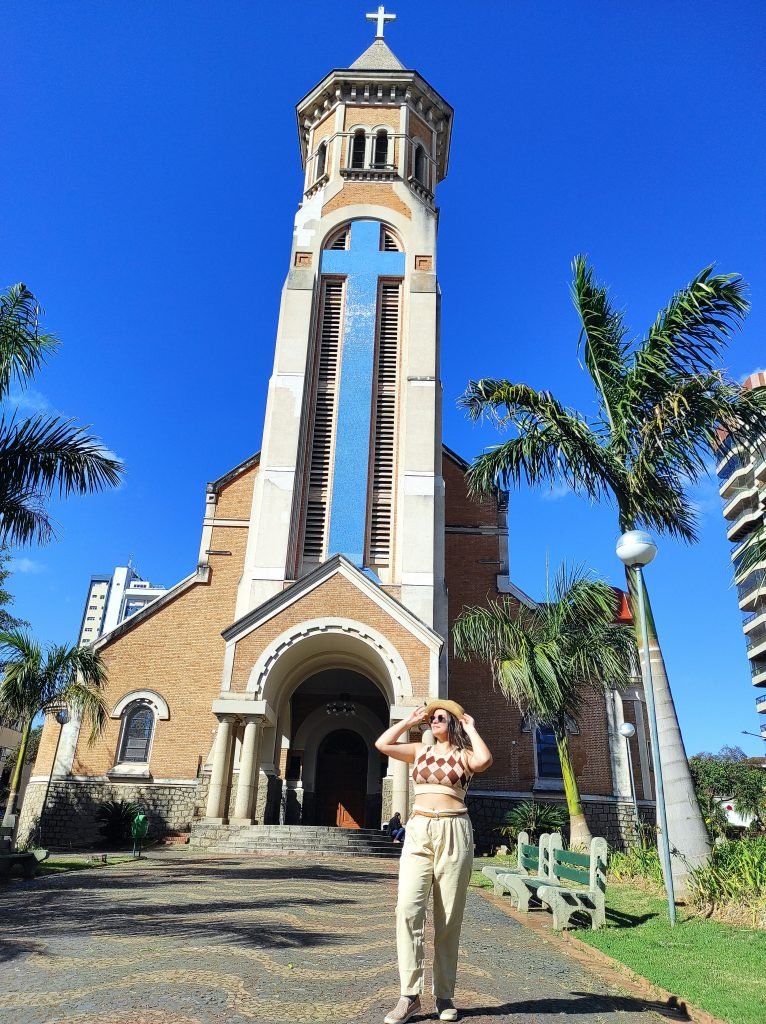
pixel 527 857
pixel 588 870
pixel 537 860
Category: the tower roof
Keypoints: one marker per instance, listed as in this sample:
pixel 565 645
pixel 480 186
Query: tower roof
pixel 378 57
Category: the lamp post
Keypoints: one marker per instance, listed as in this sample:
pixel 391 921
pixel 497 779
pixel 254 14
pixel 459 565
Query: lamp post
pixel 628 730
pixel 637 549
pixel 62 717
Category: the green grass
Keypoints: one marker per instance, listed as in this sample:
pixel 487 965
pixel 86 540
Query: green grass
pixel 55 865
pixel 717 967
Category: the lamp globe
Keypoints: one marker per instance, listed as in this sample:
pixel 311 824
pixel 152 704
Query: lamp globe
pixel 628 730
pixel 636 547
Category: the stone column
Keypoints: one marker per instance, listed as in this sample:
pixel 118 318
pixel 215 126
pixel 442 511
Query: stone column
pixel 221 766
pixel 249 770
pixel 400 791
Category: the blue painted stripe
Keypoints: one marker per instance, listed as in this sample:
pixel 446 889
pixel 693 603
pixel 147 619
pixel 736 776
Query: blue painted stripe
pixel 362 264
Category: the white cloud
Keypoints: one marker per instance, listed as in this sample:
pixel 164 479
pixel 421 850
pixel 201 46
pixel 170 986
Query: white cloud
pixel 29 401
pixel 556 492
pixel 26 565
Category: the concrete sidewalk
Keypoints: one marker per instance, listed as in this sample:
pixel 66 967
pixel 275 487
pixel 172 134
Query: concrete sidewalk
pixel 183 938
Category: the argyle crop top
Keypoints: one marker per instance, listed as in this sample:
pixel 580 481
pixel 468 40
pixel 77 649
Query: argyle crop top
pixel 436 773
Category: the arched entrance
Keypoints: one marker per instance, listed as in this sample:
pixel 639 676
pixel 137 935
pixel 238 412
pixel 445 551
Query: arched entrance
pixel 333 771
pixel 342 780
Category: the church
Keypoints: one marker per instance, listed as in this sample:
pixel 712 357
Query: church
pixel 333 562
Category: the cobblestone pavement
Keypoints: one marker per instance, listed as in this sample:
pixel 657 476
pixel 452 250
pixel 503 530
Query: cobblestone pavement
pixel 195 939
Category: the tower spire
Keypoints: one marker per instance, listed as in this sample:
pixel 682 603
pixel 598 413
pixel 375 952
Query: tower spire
pixel 381 17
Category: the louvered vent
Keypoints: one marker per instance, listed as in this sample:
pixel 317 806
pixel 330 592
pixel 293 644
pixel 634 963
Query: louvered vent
pixel 324 417
pixel 340 241
pixel 389 242
pixel 385 426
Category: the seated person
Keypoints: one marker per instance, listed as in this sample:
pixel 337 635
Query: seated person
pixel 396 829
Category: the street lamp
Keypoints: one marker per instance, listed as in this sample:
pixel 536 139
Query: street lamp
pixel 637 549
pixel 62 717
pixel 628 730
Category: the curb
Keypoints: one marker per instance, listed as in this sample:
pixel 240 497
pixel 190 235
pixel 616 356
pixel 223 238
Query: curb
pixel 606 967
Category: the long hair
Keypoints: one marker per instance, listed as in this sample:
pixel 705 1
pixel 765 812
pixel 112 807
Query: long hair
pixel 456 734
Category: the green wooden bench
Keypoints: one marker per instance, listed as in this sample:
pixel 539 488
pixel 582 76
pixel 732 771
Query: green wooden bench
pixel 26 861
pixel 530 861
pixel 588 872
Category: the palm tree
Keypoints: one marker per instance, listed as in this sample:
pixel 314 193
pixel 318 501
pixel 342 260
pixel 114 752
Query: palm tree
pixel 659 404
pixel 546 659
pixel 42 453
pixel 36 682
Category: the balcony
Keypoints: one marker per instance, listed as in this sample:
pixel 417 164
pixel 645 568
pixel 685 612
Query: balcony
pixel 754 619
pixel 760 705
pixel 740 497
pixel 756 644
pixel 751 587
pixel 748 517
pixel 758 672
pixel 735 475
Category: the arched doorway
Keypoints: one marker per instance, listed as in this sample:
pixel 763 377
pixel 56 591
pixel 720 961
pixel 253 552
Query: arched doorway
pixel 342 779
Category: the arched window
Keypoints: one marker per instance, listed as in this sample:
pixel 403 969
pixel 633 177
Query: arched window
pixel 380 153
pixel 358 146
pixel 137 731
pixel 546 752
pixel 421 165
pixel 321 159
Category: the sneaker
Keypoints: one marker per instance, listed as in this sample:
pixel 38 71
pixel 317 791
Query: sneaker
pixel 403 1010
pixel 446 1009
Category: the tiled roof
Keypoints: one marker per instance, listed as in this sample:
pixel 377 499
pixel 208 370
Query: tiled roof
pixel 378 57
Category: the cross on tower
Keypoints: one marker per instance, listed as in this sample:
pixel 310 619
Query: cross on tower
pixel 381 18
pixel 362 265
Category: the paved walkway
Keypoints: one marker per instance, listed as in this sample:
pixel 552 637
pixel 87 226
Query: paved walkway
pixel 192 939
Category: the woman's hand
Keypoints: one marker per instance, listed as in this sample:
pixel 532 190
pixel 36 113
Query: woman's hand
pixel 416 716
pixel 468 721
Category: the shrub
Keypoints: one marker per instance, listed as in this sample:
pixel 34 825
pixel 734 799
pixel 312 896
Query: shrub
pixel 734 880
pixel 641 862
pixel 116 817
pixel 533 818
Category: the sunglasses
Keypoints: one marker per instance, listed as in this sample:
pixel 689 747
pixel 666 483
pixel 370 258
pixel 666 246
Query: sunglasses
pixel 438 718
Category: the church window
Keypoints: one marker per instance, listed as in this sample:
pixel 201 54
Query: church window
pixel 381 505
pixel 321 159
pixel 421 165
pixel 388 241
pixel 358 146
pixel 380 153
pixel 137 730
pixel 339 241
pixel 546 752
pixel 324 421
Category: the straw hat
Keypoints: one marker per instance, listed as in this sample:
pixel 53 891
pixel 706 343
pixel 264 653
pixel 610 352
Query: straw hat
pixel 448 705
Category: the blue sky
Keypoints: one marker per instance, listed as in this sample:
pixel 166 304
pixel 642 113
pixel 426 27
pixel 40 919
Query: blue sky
pixel 150 171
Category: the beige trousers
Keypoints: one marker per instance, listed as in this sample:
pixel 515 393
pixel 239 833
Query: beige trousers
pixel 437 854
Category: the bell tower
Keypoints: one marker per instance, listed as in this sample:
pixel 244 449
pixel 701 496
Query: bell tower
pixel 351 453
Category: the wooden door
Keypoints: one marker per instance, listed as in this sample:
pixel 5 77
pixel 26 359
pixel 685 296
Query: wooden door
pixel 342 780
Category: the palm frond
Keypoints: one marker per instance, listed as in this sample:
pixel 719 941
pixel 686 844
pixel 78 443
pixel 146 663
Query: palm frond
pixel 23 516
pixel 45 452
pixel 602 339
pixel 689 335
pixel 544 659
pixel 36 682
pixel 22 347
pixel 553 443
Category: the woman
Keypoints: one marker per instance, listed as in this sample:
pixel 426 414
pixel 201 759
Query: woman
pixel 438 848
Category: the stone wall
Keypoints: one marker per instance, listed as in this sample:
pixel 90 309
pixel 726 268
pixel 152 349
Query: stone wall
pixel 70 810
pixel 612 819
